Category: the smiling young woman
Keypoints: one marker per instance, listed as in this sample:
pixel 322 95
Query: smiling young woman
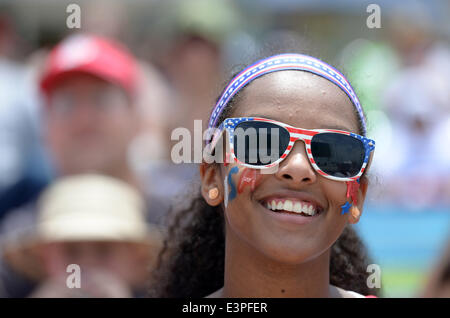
pixel 277 228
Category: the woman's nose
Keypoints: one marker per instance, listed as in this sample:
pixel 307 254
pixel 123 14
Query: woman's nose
pixel 296 168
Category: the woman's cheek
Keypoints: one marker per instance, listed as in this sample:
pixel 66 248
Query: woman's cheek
pixel 239 183
pixel 249 178
pixel 335 193
pixel 240 180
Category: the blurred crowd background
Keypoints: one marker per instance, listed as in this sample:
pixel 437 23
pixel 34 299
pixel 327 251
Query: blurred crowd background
pixel 65 145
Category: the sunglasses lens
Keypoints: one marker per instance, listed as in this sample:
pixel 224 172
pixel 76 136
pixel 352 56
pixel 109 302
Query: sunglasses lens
pixel 338 155
pixel 259 143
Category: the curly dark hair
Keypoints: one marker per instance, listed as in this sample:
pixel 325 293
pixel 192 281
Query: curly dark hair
pixel 192 261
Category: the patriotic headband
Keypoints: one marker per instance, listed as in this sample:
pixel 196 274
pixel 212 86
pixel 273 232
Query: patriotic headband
pixel 283 62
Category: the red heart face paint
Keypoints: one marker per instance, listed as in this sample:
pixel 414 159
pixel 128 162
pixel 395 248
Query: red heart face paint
pixel 248 177
pixel 352 190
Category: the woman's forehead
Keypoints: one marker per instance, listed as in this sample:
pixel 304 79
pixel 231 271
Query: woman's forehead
pixel 298 98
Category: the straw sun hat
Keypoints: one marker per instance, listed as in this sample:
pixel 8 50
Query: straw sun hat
pixel 90 208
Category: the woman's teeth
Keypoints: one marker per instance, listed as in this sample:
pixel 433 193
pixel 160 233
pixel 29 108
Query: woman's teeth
pixel 292 206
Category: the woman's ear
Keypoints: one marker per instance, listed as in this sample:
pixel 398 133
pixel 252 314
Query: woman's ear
pixel 357 209
pixel 212 188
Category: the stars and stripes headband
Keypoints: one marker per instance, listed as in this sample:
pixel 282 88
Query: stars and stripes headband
pixel 283 62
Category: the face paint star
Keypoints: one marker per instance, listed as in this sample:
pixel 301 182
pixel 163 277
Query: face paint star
pixel 345 207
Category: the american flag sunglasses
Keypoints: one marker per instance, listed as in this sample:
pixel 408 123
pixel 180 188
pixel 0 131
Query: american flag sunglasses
pixel 335 154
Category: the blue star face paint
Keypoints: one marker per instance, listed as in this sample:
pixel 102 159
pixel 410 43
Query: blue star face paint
pixel 345 207
pixel 231 184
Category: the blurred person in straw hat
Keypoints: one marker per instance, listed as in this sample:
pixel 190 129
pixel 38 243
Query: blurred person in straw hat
pixel 98 224
pixel 90 87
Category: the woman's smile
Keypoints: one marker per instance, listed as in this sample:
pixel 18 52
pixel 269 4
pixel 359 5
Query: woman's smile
pixel 292 206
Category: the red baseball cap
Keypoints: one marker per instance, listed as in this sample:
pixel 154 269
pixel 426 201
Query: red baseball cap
pixel 93 55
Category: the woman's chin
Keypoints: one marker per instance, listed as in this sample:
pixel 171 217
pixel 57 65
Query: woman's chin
pixel 288 253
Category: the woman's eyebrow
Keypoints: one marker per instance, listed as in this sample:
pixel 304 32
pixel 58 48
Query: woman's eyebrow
pixel 264 116
pixel 337 128
pixel 333 126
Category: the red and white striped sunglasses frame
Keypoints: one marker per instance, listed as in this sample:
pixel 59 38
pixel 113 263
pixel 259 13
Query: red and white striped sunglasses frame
pixel 295 133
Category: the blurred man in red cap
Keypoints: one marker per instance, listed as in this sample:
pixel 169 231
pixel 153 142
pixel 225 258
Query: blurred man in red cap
pixel 90 118
pixel 89 84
